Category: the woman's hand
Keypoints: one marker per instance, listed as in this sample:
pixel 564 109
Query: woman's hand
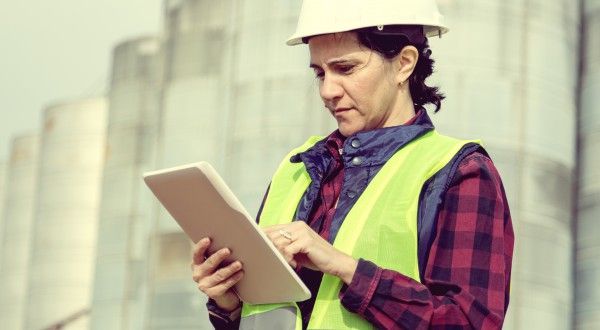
pixel 302 246
pixel 214 279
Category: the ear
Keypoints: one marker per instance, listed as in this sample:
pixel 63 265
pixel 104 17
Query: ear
pixel 405 63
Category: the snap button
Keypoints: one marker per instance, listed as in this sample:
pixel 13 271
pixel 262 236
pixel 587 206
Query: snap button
pixel 355 143
pixel 351 194
pixel 357 161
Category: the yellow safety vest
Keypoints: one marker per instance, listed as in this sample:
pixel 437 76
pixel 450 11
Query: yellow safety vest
pixel 380 227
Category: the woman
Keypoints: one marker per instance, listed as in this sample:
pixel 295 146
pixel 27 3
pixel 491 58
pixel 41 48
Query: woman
pixel 399 227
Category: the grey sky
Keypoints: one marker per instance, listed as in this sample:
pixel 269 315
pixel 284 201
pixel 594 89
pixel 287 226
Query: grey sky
pixel 60 50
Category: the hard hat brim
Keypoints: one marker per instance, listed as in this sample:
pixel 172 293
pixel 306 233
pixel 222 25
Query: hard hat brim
pixel 430 31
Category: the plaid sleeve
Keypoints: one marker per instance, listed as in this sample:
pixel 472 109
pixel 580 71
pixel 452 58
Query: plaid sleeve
pixel 466 279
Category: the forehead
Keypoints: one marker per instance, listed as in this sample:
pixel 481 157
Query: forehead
pixel 332 46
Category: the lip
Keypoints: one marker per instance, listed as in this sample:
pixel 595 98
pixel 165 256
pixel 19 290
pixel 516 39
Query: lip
pixel 337 110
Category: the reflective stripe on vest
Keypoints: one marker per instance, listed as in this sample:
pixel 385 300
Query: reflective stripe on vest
pixel 389 204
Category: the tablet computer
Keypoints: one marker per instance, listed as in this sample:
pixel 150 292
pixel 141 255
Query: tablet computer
pixel 203 205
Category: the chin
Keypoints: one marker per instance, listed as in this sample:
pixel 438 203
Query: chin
pixel 348 131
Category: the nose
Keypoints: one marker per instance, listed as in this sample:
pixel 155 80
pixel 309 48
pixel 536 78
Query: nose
pixel 330 89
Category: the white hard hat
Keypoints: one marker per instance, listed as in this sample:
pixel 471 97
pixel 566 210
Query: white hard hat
pixel 331 16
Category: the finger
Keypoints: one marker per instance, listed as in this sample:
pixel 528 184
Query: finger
pixel 222 287
pixel 291 250
pixel 302 249
pixel 199 250
pixel 291 261
pixel 295 248
pixel 295 225
pixel 301 228
pixel 281 243
pixel 272 235
pixel 219 275
pixel 275 233
pixel 274 229
pixel 288 253
pixel 222 274
pixel 278 240
pixel 211 263
pixel 296 229
pixel 207 268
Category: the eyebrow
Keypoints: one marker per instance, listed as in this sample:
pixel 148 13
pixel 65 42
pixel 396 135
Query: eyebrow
pixel 330 63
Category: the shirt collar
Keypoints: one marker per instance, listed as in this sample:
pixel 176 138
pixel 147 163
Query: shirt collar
pixel 366 148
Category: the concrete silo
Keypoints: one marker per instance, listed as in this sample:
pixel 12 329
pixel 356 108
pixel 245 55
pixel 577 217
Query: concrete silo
pixel 119 283
pixel 509 69
pixel 236 96
pixel 195 95
pixel 20 188
pixel 193 121
pixel 3 168
pixel 587 283
pixel 66 213
pixel 276 105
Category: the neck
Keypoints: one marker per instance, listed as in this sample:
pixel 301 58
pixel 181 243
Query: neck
pixel 404 110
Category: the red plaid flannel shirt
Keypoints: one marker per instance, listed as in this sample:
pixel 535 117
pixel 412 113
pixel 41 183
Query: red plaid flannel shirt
pixel 467 276
pixel 466 279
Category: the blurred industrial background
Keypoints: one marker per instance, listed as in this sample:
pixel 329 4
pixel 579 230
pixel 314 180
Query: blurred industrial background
pixel 83 244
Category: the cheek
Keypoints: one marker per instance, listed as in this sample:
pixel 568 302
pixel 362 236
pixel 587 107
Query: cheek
pixel 371 91
pixel 374 95
pixel 385 90
pixel 361 93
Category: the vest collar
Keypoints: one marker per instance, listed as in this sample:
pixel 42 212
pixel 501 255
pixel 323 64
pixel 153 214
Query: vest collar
pixel 369 148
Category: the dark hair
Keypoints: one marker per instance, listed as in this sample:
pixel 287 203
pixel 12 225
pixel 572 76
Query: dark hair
pixel 389 45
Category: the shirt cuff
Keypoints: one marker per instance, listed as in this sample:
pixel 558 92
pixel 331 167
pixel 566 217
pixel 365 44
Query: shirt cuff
pixel 225 316
pixel 356 296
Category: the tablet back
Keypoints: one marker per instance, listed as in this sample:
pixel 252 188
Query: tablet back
pixel 202 204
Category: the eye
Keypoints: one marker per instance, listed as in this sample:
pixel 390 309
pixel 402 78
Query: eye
pixel 345 69
pixel 319 74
